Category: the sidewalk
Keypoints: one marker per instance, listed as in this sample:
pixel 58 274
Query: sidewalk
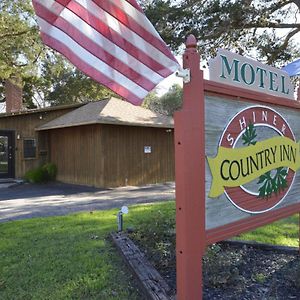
pixel 28 200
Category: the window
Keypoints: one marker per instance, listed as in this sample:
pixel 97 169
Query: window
pixel 29 147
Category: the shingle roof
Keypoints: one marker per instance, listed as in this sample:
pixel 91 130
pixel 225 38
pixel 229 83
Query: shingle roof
pixel 111 111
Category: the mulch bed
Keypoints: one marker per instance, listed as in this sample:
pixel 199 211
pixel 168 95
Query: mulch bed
pixel 244 272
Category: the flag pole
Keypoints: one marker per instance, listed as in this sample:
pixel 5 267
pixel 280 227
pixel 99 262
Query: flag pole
pixel 190 178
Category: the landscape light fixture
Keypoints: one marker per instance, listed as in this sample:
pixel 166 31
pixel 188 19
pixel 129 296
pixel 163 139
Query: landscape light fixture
pixel 124 210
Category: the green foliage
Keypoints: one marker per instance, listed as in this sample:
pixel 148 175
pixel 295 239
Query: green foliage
pixel 246 27
pixel 21 49
pixel 220 267
pixel 20 45
pixel 37 175
pixel 260 278
pixel 42 174
pixel 51 171
pixel 72 86
pixel 46 76
pixel 157 222
pixel 168 103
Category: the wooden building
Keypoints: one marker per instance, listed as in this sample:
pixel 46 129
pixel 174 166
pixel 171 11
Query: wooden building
pixel 107 143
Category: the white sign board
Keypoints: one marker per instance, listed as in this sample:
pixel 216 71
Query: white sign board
pixel 239 71
pixel 147 149
pixel 226 123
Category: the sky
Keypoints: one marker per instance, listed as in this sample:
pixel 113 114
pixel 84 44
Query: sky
pixel 163 87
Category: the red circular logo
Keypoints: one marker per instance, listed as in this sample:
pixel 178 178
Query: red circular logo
pixel 251 125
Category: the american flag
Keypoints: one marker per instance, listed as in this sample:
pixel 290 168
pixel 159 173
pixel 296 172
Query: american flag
pixel 112 41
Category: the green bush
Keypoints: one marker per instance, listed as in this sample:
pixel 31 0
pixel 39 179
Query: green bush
pixel 51 171
pixel 42 174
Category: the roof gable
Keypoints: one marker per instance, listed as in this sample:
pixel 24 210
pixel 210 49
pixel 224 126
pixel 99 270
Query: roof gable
pixel 111 111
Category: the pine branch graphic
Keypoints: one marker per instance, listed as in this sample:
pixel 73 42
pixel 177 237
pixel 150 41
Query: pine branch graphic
pixel 275 184
pixel 249 135
pixel 269 184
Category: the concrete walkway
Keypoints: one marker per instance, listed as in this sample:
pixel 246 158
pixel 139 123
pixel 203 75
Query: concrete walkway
pixel 28 201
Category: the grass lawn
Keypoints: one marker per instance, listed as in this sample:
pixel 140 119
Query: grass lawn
pixel 71 258
pixel 283 232
pixel 63 258
pixel 160 218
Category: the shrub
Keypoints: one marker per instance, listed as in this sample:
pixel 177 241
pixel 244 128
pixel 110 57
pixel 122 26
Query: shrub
pixel 51 171
pixel 42 174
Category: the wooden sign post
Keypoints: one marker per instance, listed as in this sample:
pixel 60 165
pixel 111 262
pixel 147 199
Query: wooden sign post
pixel 190 180
pixel 237 153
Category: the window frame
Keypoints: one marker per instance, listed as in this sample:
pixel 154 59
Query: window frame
pixel 29 150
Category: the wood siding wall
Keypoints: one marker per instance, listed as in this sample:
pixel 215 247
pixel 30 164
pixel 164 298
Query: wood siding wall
pixel 112 155
pixel 24 125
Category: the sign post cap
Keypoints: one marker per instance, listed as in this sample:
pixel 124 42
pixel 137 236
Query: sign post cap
pixel 191 41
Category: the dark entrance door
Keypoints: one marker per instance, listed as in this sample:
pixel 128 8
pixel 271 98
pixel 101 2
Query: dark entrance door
pixel 7 154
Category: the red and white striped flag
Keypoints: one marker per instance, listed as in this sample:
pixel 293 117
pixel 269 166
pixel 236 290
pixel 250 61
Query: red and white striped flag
pixel 112 41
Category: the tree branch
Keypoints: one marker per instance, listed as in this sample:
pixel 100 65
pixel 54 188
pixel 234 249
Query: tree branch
pixel 8 35
pixel 224 28
pixel 279 5
pixel 19 65
pixel 38 56
pixel 272 25
pixel 284 45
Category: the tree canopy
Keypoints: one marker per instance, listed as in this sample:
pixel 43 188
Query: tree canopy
pixel 20 45
pixel 45 74
pixel 265 29
pixel 168 103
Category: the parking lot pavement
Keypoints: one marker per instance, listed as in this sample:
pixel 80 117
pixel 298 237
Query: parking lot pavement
pixel 28 200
